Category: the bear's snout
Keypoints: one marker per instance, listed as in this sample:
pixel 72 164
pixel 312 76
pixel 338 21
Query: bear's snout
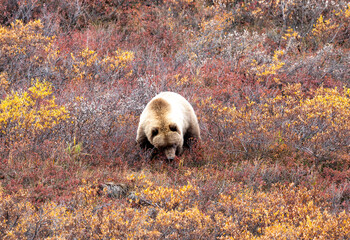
pixel 170 153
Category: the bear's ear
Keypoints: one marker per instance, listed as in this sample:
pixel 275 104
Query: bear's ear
pixel 154 132
pixel 173 127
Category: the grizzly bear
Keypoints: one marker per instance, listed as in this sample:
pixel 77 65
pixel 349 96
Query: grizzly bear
pixel 167 123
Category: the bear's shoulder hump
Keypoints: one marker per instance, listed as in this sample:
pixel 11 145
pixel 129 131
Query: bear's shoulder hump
pixel 159 105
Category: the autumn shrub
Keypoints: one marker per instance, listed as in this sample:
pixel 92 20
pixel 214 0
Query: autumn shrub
pixel 220 36
pixel 263 225
pixel 26 52
pixel 29 53
pixel 87 66
pixel 315 124
pixel 296 14
pixel 332 29
pixel 176 212
pixel 25 116
pixel 56 14
pixel 327 67
pixel 321 127
pixel 73 70
pixel 98 125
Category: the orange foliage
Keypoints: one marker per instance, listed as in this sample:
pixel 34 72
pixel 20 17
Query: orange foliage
pixel 316 124
pixel 283 212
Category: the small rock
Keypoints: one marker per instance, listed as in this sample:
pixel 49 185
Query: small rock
pixel 113 190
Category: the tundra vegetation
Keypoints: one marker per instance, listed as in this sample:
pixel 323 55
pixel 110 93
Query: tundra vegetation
pixel 269 82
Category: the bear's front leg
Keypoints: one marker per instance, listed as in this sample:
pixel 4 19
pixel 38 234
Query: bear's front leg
pixel 142 140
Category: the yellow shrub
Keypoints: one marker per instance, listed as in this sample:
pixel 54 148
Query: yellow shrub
pixel 25 53
pixel 27 114
pixel 316 124
pixel 320 124
pixel 285 213
pixel 170 198
pixel 264 71
pixel 219 22
pixel 85 62
pixel 323 26
pixel 20 37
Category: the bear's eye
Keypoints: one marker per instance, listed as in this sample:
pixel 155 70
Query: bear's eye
pixel 154 132
pixel 173 128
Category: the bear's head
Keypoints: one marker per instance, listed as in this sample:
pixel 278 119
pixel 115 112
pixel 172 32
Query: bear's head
pixel 167 139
